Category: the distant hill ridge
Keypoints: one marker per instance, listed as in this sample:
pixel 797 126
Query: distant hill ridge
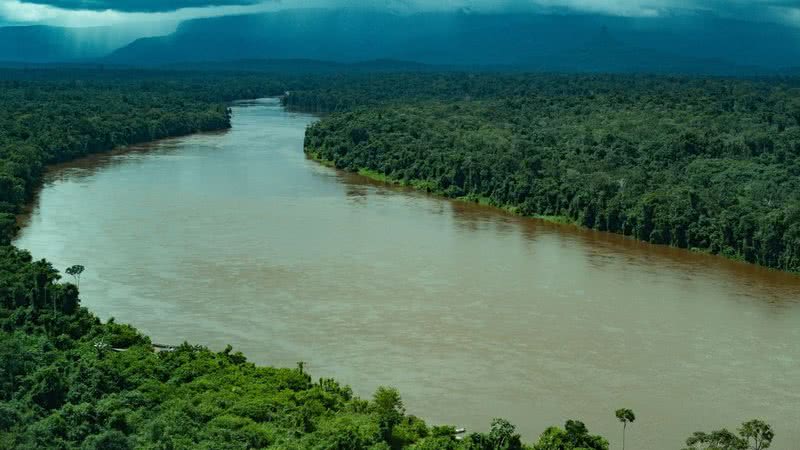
pixel 447 40
pixel 533 41
pixel 299 65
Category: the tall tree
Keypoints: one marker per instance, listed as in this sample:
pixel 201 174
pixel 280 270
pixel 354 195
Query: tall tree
pixel 625 416
pixel 757 433
pixel 753 435
pixel 76 271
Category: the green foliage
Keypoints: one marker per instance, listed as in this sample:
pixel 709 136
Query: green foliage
pixel 625 416
pixel 59 118
pixel 715 440
pixel 60 389
pixel 752 435
pixel 75 271
pixel 502 436
pixel 757 433
pixel 560 146
pixel 69 381
pixel 711 165
pixel 574 436
pixel 107 440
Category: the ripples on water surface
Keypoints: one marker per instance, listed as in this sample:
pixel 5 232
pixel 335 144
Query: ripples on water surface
pixel 236 238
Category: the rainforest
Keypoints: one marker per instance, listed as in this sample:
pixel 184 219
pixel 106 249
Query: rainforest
pixel 706 164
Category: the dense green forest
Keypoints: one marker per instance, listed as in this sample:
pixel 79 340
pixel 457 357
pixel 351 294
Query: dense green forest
pixel 705 164
pixel 68 380
pixel 49 117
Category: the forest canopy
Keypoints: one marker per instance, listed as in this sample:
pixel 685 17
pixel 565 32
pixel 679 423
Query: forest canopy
pixel 70 381
pixel 711 164
pixel 705 164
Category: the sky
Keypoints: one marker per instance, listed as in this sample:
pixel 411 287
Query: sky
pixel 160 16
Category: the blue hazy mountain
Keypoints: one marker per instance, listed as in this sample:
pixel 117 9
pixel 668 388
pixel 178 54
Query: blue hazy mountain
pixel 693 43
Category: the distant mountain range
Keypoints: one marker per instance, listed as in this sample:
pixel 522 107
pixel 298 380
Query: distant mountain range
pixel 542 42
pixel 295 65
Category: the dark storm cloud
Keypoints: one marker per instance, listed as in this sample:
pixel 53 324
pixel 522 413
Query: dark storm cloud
pixel 116 12
pixel 138 5
pixel 739 8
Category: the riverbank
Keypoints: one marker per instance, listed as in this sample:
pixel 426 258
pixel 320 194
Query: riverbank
pixel 426 187
pixel 455 293
pixel 429 188
pixel 640 180
pixel 62 382
pixel 423 186
pixel 172 398
pixel 58 128
pixel 484 201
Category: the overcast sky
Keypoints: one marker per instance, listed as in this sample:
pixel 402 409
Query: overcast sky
pixel 167 13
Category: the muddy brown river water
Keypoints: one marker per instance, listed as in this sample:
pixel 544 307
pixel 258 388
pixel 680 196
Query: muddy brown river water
pixel 472 313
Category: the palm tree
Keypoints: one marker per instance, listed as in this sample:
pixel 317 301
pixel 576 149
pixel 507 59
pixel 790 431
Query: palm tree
pixel 625 415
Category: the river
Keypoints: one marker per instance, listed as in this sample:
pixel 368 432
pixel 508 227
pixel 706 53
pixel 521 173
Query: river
pixel 235 237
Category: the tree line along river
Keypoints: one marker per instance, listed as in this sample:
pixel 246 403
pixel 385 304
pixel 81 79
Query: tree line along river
pixel 236 237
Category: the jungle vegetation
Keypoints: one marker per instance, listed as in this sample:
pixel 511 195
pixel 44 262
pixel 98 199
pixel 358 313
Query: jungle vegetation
pixel 68 381
pixel 706 164
pixel 71 381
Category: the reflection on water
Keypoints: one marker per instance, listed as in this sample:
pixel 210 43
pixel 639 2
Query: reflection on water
pixel 473 313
